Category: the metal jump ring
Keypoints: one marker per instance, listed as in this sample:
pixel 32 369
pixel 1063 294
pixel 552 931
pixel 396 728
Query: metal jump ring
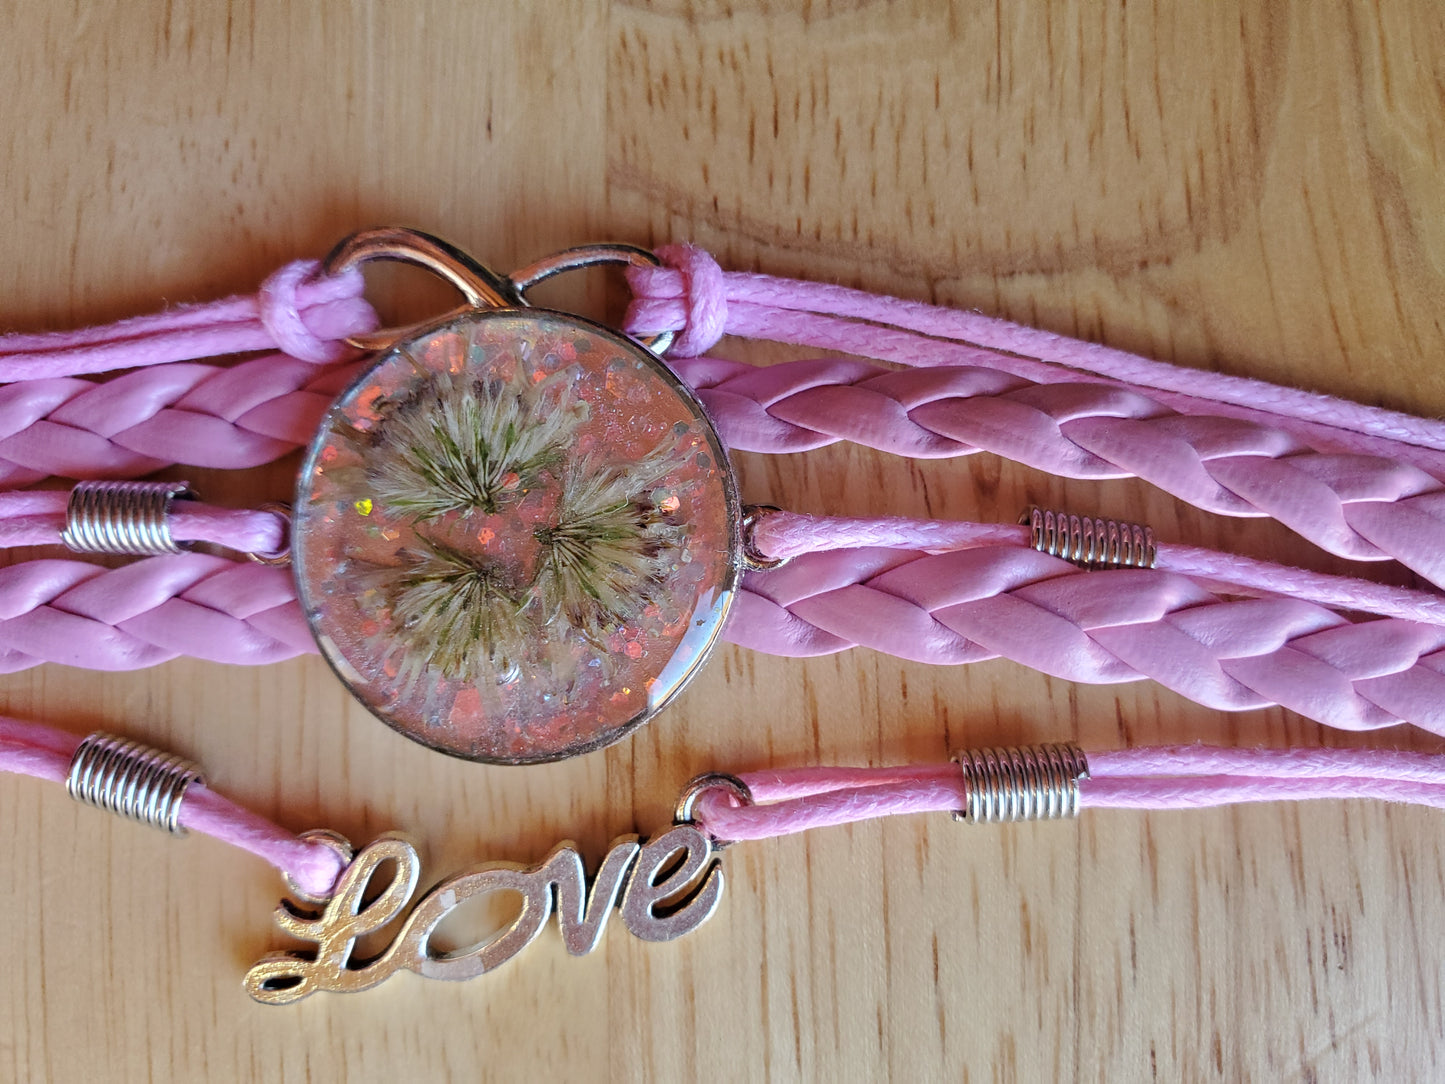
pixel 338 843
pixel 705 782
pixel 282 556
pixel 584 256
pixel 754 560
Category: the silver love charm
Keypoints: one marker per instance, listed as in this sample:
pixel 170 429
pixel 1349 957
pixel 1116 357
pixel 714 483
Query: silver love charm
pixel 666 887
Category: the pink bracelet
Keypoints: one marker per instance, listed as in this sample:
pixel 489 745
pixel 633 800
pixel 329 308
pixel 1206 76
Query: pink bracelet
pixel 1226 631
pixel 670 885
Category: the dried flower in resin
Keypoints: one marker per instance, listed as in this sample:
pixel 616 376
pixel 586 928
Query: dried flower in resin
pixel 606 552
pixel 461 614
pixel 464 444
pixel 514 536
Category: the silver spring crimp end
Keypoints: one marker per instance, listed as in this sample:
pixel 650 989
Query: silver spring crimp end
pixel 126 518
pixel 1091 542
pixel 131 780
pixel 1021 783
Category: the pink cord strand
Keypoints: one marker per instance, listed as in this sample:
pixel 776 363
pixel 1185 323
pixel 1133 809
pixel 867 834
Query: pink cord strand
pixel 1361 507
pixel 692 294
pixel 200 415
pixel 55 421
pixel 297 311
pixel 1180 777
pixel 45 753
pixel 37 518
pixel 148 612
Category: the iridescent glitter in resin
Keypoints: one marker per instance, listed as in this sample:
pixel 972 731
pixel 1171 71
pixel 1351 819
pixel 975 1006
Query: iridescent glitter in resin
pixel 515 536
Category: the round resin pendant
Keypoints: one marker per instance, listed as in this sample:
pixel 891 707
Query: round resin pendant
pixel 516 536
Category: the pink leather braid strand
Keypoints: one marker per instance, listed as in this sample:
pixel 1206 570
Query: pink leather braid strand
pixel 45 753
pixel 786 535
pixel 691 293
pixel 955 607
pixel 170 409
pixel 36 517
pixel 1100 627
pixel 1180 777
pixel 297 311
pixel 201 415
pixel 148 612
pixel 1361 507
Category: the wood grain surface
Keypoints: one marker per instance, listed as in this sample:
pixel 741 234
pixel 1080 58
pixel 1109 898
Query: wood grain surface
pixel 1234 185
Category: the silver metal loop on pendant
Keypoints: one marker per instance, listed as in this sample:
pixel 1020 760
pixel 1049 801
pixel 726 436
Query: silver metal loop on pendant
pixel 479 285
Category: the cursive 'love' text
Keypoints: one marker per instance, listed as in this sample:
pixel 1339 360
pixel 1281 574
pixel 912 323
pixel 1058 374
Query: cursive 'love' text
pixel 664 888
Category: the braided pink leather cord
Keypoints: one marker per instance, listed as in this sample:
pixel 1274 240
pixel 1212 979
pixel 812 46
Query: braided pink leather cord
pixel 171 409
pixel 1179 777
pixel 1361 507
pixel 45 753
pixel 785 535
pixel 692 294
pixel 1358 481
pixel 1100 627
pixel 148 612
pixel 197 414
pixel 963 606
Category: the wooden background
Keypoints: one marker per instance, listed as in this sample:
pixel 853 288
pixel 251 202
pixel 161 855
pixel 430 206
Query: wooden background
pixel 1253 187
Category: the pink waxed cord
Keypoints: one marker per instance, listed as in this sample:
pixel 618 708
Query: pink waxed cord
pixel 35 517
pixel 1361 482
pixel 45 753
pixel 703 288
pixel 837 317
pixel 298 311
pixel 1160 778
pixel 170 408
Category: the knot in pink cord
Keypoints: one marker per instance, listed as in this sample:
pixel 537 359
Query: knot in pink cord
pixel 704 294
pixel 282 309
